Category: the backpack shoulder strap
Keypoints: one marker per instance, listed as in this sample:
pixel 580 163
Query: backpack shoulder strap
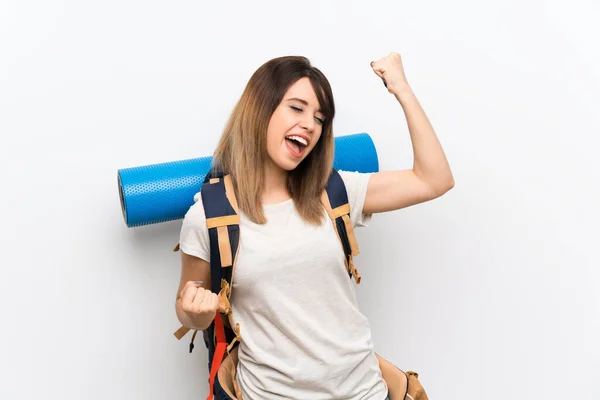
pixel 223 224
pixel 335 200
pixel 222 221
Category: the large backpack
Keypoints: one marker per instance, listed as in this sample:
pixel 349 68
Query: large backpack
pixel 222 338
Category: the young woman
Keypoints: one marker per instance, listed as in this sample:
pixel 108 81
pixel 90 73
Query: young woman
pixel 304 336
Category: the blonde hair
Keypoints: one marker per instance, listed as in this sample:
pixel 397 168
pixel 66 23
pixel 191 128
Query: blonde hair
pixel 242 149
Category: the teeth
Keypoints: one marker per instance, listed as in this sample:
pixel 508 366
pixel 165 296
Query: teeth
pixel 298 139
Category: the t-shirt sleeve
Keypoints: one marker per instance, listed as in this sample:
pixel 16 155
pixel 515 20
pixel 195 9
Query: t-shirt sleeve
pixel 193 238
pixel 356 187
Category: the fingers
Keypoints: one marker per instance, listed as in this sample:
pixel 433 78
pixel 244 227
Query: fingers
pixel 188 294
pixel 197 303
pixel 386 64
pixel 197 300
pixel 381 63
pixel 205 302
pixel 379 70
pixel 391 71
pixel 190 284
pixel 191 298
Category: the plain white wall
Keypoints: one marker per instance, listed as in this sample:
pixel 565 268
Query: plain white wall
pixel 490 292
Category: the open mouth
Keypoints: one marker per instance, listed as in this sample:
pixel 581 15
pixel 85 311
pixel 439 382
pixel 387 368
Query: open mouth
pixel 296 144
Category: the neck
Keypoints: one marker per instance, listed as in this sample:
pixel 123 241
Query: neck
pixel 275 185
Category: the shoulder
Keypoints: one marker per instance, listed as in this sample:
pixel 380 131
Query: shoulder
pixel 195 214
pixel 193 238
pixel 354 180
pixel 356 184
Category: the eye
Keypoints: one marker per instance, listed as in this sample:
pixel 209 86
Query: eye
pixel 299 110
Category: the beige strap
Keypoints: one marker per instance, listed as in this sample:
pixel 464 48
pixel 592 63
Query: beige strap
pixel 354 271
pixel 351 237
pixel 224 304
pixel 341 210
pixel 181 332
pixel 228 288
pixel 222 221
pixel 238 392
pixel 214 180
pixel 330 212
pixel 224 246
pixel 237 338
pixel 225 285
pixel 229 192
pixel 327 205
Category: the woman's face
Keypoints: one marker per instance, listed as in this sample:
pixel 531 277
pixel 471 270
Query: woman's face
pixel 295 126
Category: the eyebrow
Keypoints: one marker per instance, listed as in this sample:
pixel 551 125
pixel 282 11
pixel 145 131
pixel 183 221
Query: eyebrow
pixel 303 102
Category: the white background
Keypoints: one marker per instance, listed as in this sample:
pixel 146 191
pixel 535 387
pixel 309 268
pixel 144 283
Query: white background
pixel 489 292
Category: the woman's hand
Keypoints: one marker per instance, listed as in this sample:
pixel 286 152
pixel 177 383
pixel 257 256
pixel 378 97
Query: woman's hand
pixel 198 305
pixel 391 71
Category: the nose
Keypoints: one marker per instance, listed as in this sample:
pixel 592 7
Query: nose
pixel 308 123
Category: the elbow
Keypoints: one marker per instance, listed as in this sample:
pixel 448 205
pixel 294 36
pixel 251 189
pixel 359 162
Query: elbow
pixel 449 184
pixel 442 187
pixel 437 182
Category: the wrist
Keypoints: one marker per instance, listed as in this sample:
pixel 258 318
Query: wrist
pixel 402 91
pixel 194 324
pixel 200 322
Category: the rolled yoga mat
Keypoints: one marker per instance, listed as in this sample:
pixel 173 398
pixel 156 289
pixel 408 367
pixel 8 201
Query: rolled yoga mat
pixel 163 192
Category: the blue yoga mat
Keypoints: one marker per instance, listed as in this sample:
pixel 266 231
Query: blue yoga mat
pixel 163 192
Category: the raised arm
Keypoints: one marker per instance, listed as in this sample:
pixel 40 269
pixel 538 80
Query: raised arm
pixel 430 176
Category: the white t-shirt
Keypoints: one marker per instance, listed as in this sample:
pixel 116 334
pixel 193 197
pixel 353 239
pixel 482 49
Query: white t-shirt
pixel 303 336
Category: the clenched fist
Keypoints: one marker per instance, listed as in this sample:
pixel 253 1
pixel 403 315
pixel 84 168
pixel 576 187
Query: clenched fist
pixel 391 71
pixel 198 305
